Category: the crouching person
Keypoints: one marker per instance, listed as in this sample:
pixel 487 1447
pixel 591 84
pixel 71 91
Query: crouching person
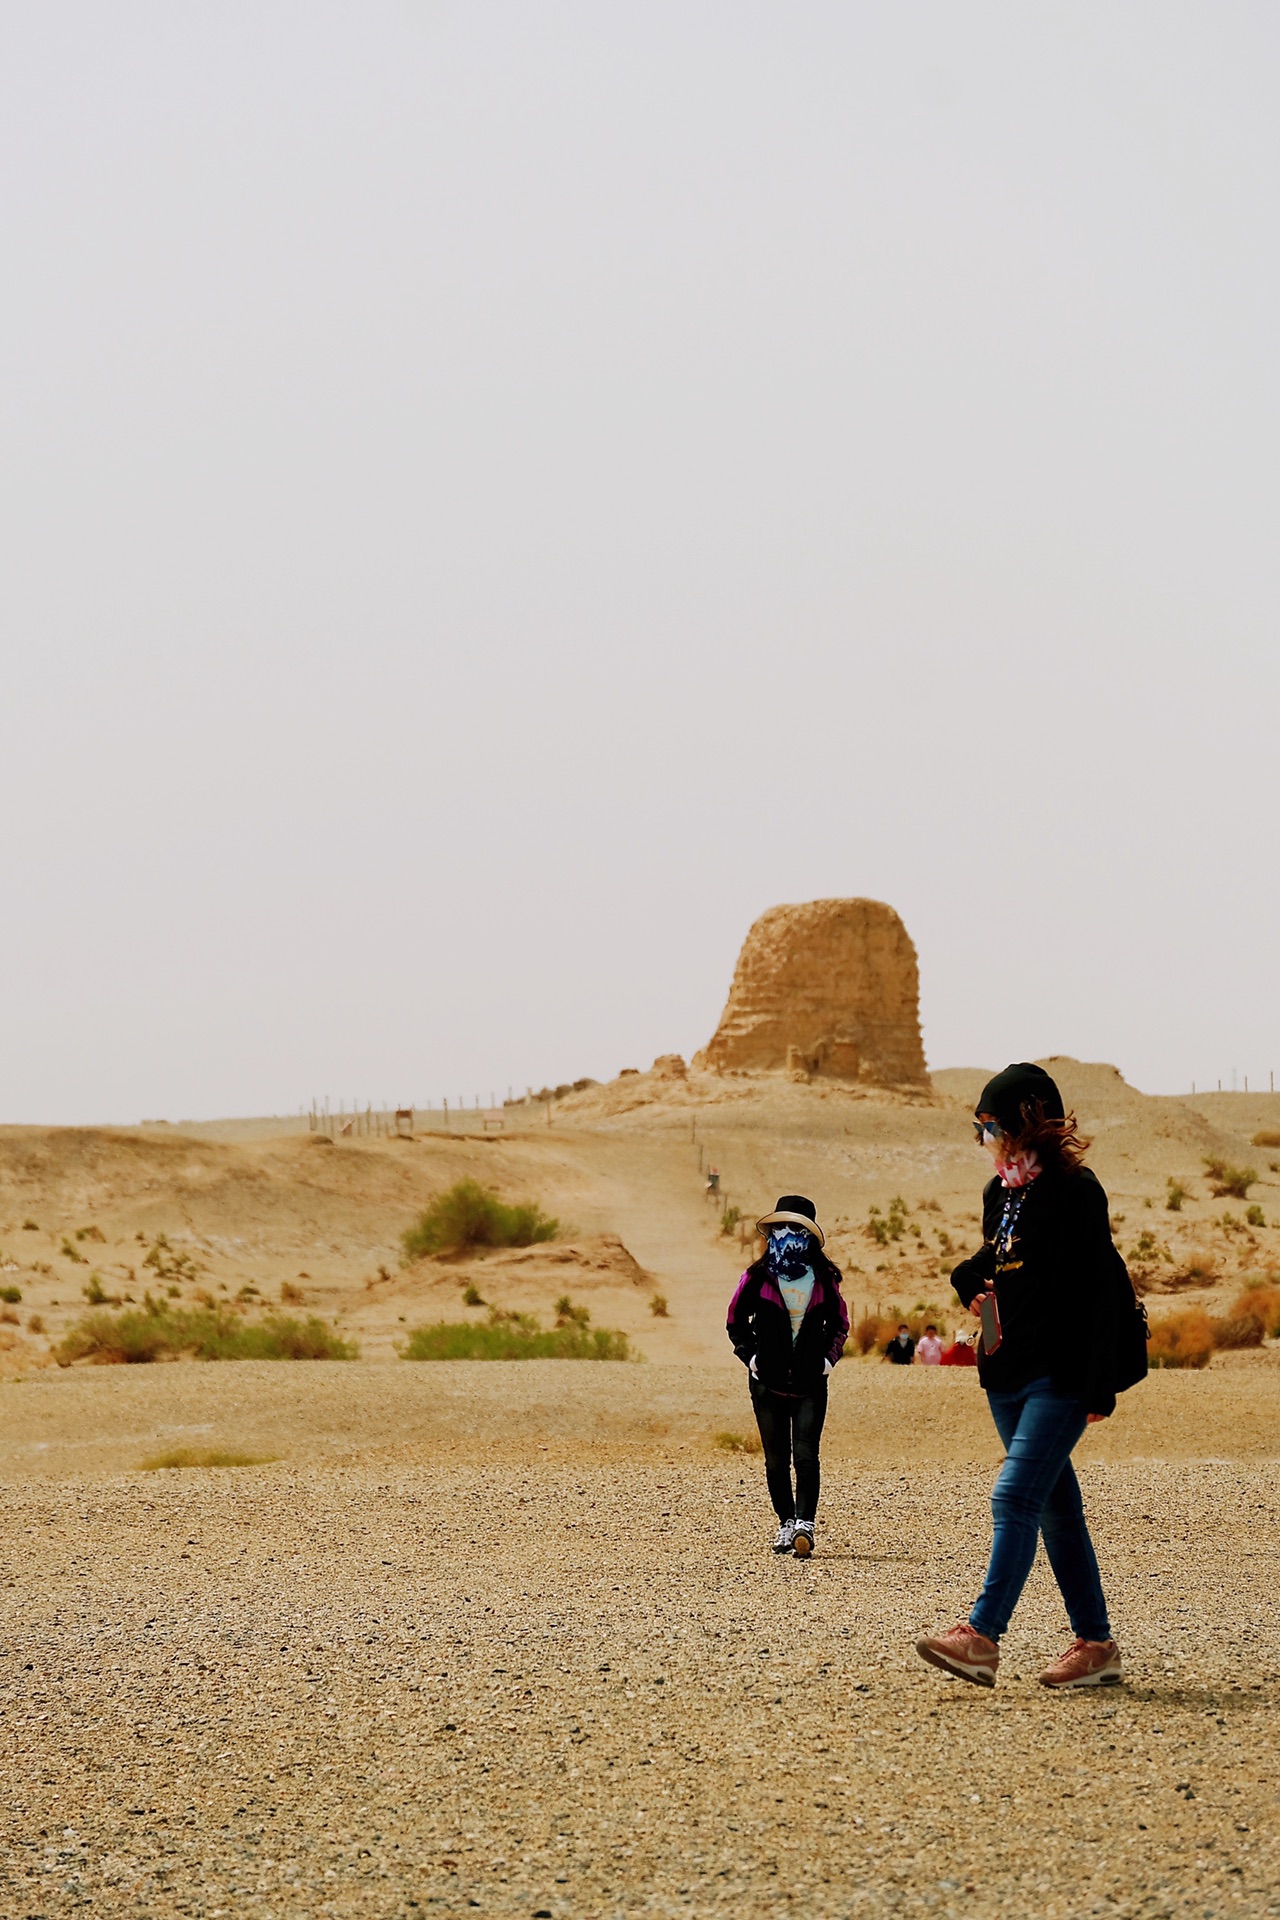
pixel 788 1324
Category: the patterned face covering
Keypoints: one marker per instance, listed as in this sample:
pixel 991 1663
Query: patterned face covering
pixel 1020 1169
pixel 788 1254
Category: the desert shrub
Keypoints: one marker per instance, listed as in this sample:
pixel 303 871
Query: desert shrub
pixel 1181 1340
pixel 470 1215
pixel 33 1226
pixel 1262 1140
pixel 1199 1270
pixel 11 1295
pixel 1233 1330
pixel 96 1294
pixel 8 1317
pixel 35 1324
pixel 204 1457
pixel 70 1252
pixel 1175 1194
pixel 291 1295
pixel 1261 1299
pixel 169 1264
pixel 567 1315
pixel 92 1233
pixel 739 1443
pixel 1223 1179
pixel 514 1339
pixel 280 1337
pixel 729 1219
pixel 158 1331
pixel 658 1306
pixel 472 1296
pixel 115 1339
pixel 1255 1217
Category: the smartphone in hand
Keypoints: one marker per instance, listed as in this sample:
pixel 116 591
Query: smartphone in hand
pixel 989 1313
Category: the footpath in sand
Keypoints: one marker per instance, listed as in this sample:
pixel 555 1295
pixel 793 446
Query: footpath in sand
pixel 508 1639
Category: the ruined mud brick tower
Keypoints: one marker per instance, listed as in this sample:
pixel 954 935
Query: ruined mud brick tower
pixel 830 988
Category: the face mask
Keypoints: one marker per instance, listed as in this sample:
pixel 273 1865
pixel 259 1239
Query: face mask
pixel 788 1252
pixel 1019 1171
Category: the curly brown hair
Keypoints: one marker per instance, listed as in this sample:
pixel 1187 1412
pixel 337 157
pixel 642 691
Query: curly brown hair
pixel 1058 1143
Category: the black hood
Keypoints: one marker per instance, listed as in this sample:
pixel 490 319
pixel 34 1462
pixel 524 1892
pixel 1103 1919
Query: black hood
pixel 1016 1088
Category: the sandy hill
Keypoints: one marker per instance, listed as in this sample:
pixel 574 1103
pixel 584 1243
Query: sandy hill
pixel 237 1211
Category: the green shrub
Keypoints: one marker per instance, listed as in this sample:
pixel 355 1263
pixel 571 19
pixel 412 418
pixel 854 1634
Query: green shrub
pixel 511 1340
pixel 567 1315
pixel 1229 1180
pixel 158 1331
pixel 11 1295
pixel 205 1457
pixel 472 1297
pixel 658 1306
pixel 729 1219
pixel 739 1443
pixel 470 1215
pixel 1175 1196
pixel 1255 1217
pixel 72 1253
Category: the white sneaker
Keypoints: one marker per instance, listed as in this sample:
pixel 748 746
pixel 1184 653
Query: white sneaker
pixel 786 1537
pixel 802 1539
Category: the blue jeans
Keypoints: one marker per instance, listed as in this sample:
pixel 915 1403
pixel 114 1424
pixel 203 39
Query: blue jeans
pixel 1036 1492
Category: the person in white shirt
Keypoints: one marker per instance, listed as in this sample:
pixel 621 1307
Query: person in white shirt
pixel 929 1348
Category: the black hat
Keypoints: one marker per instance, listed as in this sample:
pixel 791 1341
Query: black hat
pixel 1013 1091
pixel 793 1210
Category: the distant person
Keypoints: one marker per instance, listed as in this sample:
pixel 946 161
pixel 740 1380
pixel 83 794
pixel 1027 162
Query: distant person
pixel 901 1350
pixel 788 1324
pixel 960 1353
pixel 929 1348
pixel 1062 1333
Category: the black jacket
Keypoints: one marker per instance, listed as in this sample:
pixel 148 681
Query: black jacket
pixel 760 1328
pixel 1064 1296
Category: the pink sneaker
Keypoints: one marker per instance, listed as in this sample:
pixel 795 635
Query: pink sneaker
pixel 1086 1663
pixel 964 1651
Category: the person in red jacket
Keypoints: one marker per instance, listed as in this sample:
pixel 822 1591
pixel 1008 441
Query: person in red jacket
pixel 788 1324
pixel 960 1353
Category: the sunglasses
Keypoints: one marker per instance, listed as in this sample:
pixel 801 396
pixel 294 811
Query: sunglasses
pixel 984 1130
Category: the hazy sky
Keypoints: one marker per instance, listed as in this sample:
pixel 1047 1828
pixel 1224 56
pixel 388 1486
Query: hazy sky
pixel 495 497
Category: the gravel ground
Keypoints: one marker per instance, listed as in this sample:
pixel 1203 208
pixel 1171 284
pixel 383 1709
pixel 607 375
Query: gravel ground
pixel 509 1640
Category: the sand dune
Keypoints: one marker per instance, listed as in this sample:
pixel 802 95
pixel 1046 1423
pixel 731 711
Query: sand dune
pixel 252 1210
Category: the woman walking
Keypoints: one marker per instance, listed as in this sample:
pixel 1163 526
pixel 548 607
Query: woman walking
pixel 788 1324
pixel 1061 1333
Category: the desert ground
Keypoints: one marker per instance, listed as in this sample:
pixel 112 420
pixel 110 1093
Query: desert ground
pixel 507 1638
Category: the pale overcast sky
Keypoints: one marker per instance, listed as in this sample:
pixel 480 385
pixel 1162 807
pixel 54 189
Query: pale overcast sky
pixel 496 496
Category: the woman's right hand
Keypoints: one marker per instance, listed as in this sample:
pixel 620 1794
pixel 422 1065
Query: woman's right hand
pixel 984 1293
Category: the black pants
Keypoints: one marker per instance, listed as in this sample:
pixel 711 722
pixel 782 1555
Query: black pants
pixel 791 1428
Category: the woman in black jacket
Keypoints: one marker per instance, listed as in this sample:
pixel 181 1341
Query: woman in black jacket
pixel 1053 1296
pixel 788 1324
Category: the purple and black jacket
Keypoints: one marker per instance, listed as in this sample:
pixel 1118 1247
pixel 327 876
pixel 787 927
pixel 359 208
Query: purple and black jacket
pixel 759 1327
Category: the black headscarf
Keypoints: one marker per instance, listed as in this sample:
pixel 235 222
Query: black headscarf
pixel 1018 1087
